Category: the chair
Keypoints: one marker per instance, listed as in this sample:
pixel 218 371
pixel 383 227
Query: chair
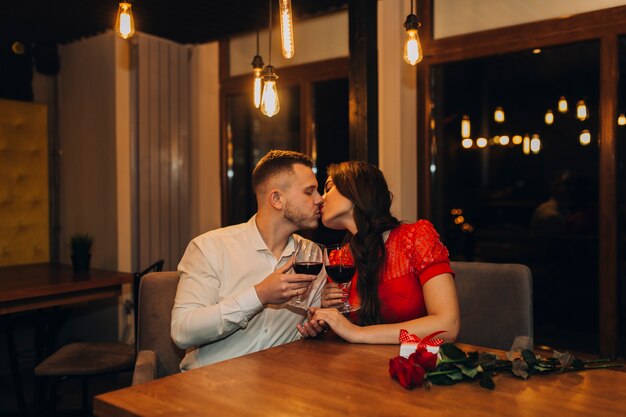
pixel 157 355
pixel 86 359
pixel 496 304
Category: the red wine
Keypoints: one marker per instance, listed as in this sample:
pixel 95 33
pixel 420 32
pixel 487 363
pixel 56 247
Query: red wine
pixel 340 273
pixel 309 268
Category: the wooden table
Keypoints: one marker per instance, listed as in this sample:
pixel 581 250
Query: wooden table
pixel 36 286
pixel 333 378
pixel 39 286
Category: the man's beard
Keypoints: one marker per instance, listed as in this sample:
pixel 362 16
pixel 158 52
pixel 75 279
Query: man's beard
pixel 298 218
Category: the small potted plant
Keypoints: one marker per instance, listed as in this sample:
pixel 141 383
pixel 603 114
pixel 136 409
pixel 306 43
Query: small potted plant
pixel 81 251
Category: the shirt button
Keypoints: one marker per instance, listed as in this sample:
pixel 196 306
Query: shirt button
pixel 267 330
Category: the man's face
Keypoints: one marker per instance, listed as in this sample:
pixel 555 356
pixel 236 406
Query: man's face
pixel 302 200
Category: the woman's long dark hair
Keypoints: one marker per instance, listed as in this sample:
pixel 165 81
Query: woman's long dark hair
pixel 365 186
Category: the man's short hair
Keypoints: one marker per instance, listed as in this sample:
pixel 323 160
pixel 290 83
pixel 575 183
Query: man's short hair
pixel 277 162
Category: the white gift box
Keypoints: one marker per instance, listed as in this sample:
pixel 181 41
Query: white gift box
pixel 406 349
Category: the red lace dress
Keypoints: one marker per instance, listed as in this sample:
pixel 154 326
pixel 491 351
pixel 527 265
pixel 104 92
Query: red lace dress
pixel 414 255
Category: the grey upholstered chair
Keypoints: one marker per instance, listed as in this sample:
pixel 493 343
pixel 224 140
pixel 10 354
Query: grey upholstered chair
pixel 87 359
pixel 157 355
pixel 496 304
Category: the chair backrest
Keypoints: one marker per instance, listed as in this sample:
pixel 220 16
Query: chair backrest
pixel 156 293
pixel 496 303
pixel 137 276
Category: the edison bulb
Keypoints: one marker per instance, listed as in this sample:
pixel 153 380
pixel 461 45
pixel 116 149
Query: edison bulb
pixel 286 29
pixel 562 105
pixel 498 115
pixel 465 127
pixel 581 111
pixel 257 87
pixel 467 143
pixel 549 118
pixel 413 48
pixel 124 23
pixel 585 137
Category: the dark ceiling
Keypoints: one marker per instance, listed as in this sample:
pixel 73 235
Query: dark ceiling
pixel 183 21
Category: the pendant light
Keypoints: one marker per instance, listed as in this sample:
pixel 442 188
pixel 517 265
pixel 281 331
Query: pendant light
pixel 124 22
pixel 562 105
pixel 286 28
pixel 581 110
pixel 257 70
pixel 413 53
pixel 465 127
pixel 270 105
pixel 498 115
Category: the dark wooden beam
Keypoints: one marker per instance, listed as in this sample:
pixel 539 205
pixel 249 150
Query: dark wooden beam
pixel 607 271
pixel 363 80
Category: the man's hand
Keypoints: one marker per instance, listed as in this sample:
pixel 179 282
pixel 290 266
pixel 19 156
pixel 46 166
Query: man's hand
pixel 311 328
pixel 280 287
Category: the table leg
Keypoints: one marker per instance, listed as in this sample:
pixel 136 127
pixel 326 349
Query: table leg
pixel 15 366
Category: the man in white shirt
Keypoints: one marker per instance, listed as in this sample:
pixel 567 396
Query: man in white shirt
pixel 234 281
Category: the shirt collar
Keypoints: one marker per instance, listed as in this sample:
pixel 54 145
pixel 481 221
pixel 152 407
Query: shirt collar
pixel 257 242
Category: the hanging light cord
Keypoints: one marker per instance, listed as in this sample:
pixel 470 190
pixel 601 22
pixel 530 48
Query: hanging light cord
pixel 270 34
pixel 258 26
pixel 411 6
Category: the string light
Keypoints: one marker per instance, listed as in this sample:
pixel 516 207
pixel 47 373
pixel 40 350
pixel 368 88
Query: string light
pixel 124 22
pixel 481 142
pixel 549 117
pixel 535 144
pixel 621 120
pixel 467 143
pixel 517 139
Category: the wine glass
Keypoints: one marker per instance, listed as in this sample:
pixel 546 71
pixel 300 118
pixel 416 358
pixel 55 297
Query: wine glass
pixel 340 267
pixel 308 260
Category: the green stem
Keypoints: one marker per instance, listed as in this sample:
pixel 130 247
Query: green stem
pixel 442 372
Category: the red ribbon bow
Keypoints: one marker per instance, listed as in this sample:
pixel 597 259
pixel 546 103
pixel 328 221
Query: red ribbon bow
pixel 429 340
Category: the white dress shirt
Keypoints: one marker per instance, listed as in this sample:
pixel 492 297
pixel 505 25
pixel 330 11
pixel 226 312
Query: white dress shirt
pixel 217 314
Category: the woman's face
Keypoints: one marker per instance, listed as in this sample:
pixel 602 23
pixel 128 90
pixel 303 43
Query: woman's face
pixel 337 209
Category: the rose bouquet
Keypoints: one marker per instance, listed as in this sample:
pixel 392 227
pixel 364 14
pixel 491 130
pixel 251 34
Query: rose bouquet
pixel 451 365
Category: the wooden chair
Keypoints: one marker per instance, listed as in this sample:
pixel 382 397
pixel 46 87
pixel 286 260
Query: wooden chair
pixel 496 304
pixel 87 359
pixel 157 355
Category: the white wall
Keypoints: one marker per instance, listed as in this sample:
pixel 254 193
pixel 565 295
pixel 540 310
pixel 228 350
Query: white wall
pixel 205 139
pixel 397 110
pixel 88 169
pixel 456 17
pixel 87 140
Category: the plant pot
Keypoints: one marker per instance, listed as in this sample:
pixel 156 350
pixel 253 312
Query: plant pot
pixel 80 262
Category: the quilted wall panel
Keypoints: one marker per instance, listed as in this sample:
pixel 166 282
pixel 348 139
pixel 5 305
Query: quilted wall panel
pixel 24 209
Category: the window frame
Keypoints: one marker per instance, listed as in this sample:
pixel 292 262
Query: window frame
pixel 604 26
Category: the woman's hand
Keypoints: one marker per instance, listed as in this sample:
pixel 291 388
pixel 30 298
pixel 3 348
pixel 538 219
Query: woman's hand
pixel 333 296
pixel 332 318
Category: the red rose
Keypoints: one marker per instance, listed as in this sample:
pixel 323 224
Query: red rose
pixel 408 373
pixel 424 358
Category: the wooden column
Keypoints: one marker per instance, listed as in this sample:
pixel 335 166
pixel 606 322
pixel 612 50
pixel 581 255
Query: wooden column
pixel 607 271
pixel 425 136
pixel 363 80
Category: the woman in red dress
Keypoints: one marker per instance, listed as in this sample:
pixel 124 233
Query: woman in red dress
pixel 403 278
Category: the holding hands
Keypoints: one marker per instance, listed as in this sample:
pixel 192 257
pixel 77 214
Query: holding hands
pixel 321 319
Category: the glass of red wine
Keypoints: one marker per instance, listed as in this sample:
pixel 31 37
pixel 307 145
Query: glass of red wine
pixel 308 260
pixel 340 267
